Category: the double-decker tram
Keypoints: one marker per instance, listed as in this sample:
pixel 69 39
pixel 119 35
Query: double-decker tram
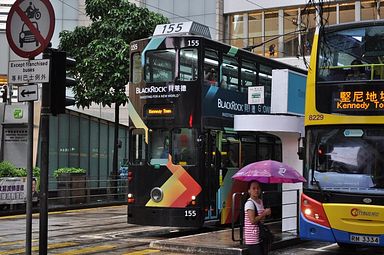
pixel 343 200
pixel 184 90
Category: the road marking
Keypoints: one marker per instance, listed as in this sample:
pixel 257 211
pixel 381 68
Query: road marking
pixel 36 248
pixel 21 216
pixel 15 242
pixel 323 248
pixel 147 251
pixel 89 250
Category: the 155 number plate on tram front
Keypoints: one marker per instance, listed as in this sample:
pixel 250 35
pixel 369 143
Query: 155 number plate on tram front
pixel 364 239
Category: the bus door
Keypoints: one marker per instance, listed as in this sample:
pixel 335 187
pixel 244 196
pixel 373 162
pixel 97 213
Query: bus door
pixel 211 176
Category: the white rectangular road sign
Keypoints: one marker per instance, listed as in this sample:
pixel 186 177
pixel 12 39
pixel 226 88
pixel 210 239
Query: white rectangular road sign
pixel 28 93
pixel 28 71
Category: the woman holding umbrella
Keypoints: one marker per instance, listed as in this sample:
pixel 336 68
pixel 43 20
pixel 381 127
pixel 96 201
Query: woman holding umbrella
pixel 253 217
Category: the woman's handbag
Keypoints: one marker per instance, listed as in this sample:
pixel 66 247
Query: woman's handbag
pixel 266 237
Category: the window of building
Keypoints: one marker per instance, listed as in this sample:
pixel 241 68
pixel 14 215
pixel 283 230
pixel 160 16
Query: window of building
pixel 103 153
pixel 84 143
pixel 291 42
pixel 74 140
pixel 63 140
pixel 347 12
pixel 255 32
pixel 188 64
pixel 94 153
pixel 236 30
pixel 271 33
pixel 368 10
pixel 330 14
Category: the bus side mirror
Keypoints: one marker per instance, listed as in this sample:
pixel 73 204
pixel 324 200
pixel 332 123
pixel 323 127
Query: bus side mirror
pixel 300 148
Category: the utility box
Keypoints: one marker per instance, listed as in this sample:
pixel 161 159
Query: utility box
pixel 15 134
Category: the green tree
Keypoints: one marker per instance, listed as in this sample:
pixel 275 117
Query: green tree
pixel 101 51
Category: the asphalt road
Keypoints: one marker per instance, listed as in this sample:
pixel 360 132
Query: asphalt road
pixel 105 231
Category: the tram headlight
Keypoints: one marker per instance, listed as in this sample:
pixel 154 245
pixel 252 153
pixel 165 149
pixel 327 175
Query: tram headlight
pixel 130 198
pixel 193 200
pixel 157 194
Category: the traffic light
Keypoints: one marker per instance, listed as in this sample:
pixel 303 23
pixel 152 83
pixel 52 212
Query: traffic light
pixel 4 93
pixel 3 79
pixel 59 81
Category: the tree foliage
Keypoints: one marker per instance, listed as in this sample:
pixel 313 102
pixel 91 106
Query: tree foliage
pixel 101 50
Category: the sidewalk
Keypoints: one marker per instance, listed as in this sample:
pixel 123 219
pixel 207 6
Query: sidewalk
pixel 218 242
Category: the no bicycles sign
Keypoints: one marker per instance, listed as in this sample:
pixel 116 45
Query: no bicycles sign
pixel 30 26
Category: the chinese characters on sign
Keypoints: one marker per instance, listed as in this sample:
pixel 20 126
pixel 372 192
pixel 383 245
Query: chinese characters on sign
pixel 32 71
pixel 360 100
pixel 12 190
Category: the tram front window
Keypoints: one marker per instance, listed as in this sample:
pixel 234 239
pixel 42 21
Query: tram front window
pixel 160 65
pixel 183 146
pixel 346 160
pixel 159 147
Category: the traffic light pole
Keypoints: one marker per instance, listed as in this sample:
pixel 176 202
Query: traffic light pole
pixel 28 240
pixel 44 136
pixel 28 211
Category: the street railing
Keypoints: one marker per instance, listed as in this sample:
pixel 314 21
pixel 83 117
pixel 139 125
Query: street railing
pixel 78 192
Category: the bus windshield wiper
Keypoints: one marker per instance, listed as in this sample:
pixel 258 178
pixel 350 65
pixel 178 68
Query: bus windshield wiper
pixel 324 195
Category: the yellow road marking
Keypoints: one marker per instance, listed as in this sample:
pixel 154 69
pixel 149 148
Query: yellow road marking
pixel 89 250
pixel 36 248
pixel 148 251
pixel 15 242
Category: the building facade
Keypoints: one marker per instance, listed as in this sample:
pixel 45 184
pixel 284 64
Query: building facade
pixel 285 28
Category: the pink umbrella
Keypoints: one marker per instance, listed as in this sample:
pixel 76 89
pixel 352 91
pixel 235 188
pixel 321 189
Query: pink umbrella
pixel 268 171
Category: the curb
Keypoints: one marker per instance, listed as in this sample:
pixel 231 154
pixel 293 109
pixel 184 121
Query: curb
pixel 174 247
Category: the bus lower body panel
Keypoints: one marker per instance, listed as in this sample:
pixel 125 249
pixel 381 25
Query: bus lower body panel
pixel 342 222
pixel 163 216
pixel 312 231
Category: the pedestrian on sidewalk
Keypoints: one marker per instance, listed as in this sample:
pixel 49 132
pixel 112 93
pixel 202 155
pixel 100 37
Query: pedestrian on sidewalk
pixel 252 219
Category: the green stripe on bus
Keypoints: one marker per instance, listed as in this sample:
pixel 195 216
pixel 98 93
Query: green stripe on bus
pixel 233 51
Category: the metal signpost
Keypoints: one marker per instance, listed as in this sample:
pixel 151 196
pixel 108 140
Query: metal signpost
pixel 29 29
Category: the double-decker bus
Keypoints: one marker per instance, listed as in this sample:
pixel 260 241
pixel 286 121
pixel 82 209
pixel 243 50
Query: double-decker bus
pixel 184 90
pixel 344 115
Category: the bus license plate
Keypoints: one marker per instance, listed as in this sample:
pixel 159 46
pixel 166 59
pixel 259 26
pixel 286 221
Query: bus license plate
pixel 364 239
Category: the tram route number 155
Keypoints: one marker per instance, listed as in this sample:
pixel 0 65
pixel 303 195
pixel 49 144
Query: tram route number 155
pixel 190 213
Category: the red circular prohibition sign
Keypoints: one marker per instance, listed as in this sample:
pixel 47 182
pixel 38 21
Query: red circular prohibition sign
pixel 42 39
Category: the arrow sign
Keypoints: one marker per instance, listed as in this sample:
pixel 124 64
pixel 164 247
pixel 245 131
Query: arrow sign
pixel 28 93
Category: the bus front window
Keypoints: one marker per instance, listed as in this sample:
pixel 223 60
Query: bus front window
pixel 346 160
pixel 345 51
